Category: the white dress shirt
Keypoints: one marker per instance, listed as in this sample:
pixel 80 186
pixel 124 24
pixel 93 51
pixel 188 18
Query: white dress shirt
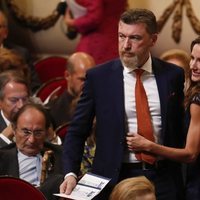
pixel 149 82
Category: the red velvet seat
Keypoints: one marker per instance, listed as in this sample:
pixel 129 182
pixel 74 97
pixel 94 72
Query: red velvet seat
pixel 51 88
pixel 17 189
pixel 50 67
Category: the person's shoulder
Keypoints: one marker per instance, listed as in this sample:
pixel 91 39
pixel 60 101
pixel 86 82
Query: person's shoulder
pixel 166 66
pixel 109 65
pixel 58 99
pixel 7 147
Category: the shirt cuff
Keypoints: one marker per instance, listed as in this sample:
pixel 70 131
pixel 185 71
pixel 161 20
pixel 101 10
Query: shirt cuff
pixel 59 141
pixel 70 174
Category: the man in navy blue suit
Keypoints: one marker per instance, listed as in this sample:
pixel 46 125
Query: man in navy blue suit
pixel 109 95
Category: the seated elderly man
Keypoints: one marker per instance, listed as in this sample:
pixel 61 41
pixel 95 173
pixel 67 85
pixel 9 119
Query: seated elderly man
pixel 30 157
pixel 14 93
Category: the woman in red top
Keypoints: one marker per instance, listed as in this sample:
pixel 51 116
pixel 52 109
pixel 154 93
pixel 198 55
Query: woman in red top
pixel 98 27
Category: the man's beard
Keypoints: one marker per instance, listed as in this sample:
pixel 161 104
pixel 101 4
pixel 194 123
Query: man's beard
pixel 130 62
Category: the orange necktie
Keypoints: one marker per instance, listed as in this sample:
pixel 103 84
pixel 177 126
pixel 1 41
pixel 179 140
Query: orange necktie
pixel 143 116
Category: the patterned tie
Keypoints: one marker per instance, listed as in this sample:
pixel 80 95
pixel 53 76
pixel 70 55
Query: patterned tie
pixel 143 116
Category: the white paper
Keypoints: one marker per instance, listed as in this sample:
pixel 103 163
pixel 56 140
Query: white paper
pixel 76 9
pixel 87 188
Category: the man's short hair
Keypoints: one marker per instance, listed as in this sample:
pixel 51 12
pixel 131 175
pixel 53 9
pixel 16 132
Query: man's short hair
pixel 36 106
pixel 137 15
pixel 14 76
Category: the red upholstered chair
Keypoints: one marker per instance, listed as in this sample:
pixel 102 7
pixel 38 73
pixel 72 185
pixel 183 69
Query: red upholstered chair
pixel 51 89
pixel 17 189
pixel 50 67
pixel 61 131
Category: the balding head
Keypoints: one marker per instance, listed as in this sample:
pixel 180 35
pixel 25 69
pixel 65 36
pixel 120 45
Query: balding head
pixel 78 64
pixel 80 60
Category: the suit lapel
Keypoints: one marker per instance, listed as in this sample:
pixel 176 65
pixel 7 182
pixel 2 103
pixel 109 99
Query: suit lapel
pixel 116 81
pixel 12 158
pixel 162 84
pixel 2 123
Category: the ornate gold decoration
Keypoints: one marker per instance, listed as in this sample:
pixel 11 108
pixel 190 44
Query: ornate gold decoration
pixel 34 23
pixel 47 166
pixel 177 6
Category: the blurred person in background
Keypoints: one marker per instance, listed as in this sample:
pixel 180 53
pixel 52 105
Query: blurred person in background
pixel 14 93
pixel 97 27
pixel 178 57
pixel 23 52
pixel 137 188
pixel 62 108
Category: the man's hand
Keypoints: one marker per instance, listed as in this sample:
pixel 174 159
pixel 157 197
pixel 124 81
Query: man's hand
pixel 8 132
pixel 68 185
pixel 68 19
pixel 136 142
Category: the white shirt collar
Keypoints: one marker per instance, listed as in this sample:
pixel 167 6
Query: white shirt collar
pixel 147 66
pixel 25 156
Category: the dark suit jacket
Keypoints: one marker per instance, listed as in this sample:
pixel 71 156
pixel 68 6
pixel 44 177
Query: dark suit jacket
pixel 2 123
pixel 9 166
pixel 103 97
pixel 2 127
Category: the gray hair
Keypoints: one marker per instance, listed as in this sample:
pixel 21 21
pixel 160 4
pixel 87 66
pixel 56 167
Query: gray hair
pixel 14 76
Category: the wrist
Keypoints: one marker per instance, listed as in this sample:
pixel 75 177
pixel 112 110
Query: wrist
pixel 70 174
pixel 149 146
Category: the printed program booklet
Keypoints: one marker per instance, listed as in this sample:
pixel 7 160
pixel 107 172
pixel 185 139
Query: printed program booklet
pixel 87 188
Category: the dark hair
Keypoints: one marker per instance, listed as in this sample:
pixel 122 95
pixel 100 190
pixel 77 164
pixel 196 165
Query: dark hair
pixel 137 15
pixel 36 106
pixel 12 60
pixel 195 41
pixel 14 76
pixel 194 87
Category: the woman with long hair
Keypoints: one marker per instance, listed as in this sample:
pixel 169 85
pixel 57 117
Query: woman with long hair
pixel 191 152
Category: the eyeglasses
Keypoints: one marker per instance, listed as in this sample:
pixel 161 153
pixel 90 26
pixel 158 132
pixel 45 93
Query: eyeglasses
pixel 36 133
